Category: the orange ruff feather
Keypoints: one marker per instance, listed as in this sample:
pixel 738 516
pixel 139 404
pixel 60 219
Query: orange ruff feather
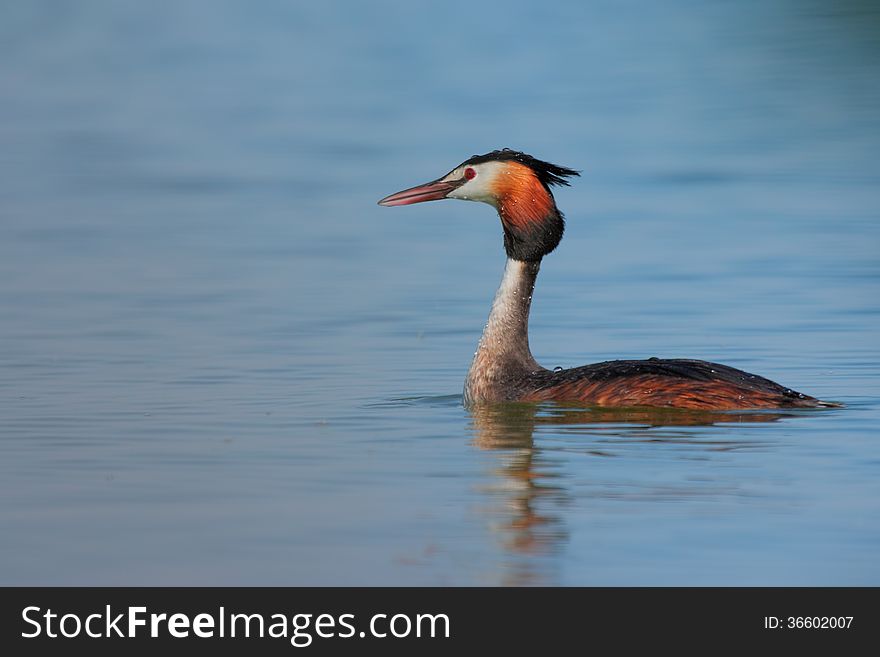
pixel 522 199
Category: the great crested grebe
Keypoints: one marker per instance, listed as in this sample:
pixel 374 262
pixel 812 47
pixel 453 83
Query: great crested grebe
pixel 518 185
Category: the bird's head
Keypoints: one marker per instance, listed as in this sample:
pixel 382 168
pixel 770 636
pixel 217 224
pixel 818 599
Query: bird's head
pixel 517 185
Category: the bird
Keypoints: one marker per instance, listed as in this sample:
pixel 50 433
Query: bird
pixel 503 369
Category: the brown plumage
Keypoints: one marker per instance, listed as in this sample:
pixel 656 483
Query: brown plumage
pixel 677 383
pixel 503 369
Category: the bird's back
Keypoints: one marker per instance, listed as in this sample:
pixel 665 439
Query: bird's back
pixel 679 383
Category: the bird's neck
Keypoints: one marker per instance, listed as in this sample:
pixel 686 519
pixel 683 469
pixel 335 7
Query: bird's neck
pixel 503 356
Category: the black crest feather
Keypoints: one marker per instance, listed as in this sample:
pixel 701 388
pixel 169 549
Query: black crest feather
pixel 548 174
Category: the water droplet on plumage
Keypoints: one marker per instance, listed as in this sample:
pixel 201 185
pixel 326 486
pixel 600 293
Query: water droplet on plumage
pixel 558 369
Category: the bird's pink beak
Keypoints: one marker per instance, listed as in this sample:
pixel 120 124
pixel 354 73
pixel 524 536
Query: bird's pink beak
pixel 431 191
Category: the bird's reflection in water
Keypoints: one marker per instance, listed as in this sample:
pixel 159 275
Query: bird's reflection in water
pixel 524 481
pixel 530 519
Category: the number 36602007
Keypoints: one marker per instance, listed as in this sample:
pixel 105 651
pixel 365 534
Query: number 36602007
pixel 809 622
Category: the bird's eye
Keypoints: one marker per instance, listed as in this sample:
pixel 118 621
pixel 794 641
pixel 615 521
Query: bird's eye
pixel 469 173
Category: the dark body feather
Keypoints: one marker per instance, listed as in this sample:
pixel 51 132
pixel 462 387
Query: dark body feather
pixel 677 383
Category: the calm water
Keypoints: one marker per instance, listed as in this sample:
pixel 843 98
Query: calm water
pixel 222 363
